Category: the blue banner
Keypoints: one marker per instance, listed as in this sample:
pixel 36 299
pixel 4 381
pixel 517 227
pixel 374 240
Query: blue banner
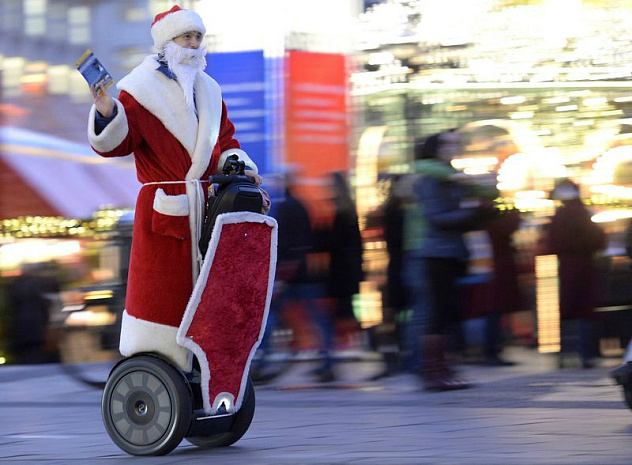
pixel 242 78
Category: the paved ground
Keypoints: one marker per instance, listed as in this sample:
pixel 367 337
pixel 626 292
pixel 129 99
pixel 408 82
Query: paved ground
pixel 530 413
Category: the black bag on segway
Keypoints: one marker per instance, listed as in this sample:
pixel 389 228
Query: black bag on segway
pixel 236 192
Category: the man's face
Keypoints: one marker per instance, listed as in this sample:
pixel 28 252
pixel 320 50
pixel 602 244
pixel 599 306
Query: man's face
pixel 450 145
pixel 191 39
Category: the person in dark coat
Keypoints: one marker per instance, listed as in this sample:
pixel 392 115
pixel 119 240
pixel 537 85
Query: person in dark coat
pixel 575 239
pixel 345 250
pixel 389 336
pixel 628 240
pixel 450 210
pixel 505 289
pixel 396 295
pixel 342 242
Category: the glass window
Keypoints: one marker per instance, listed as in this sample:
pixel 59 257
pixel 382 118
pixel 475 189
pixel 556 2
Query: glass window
pixel 57 22
pixel 34 17
pixel 79 25
pixel 34 7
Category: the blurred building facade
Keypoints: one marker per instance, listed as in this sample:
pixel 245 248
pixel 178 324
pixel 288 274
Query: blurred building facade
pixel 544 85
pixel 284 76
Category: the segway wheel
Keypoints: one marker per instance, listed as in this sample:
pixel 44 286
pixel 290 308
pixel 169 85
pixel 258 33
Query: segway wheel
pixel 146 406
pixel 240 425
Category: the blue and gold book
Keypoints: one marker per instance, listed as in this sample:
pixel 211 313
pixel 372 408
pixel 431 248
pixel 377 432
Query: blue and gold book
pixel 93 71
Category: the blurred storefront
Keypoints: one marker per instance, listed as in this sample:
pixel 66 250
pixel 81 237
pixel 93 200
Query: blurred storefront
pixel 541 90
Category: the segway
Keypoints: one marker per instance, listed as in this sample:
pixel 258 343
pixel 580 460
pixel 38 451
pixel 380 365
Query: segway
pixel 149 404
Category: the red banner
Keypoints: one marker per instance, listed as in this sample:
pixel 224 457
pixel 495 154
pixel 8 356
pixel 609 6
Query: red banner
pixel 317 116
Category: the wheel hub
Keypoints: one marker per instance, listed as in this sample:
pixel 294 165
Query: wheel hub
pixel 141 408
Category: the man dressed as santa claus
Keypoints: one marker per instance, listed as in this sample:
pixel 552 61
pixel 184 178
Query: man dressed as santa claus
pixel 171 116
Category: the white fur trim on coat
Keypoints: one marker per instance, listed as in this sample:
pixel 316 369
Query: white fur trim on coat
pixel 113 134
pixel 163 98
pixel 233 405
pixel 208 101
pixel 138 336
pixel 242 156
pixel 172 205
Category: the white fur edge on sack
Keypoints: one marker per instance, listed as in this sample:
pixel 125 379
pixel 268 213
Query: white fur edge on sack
pixel 172 205
pixel 113 134
pixel 210 407
pixel 139 336
pixel 243 156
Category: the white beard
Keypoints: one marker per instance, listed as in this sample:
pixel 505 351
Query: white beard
pixel 186 64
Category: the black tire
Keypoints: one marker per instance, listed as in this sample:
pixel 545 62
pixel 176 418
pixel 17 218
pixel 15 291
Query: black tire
pixel 146 406
pixel 241 423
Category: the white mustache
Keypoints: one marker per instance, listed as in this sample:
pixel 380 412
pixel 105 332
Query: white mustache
pixel 175 54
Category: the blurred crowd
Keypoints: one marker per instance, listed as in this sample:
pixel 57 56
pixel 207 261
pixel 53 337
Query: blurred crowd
pixel 451 258
pixel 319 265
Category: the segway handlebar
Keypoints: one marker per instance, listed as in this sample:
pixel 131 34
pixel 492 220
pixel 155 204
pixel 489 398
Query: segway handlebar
pixel 228 178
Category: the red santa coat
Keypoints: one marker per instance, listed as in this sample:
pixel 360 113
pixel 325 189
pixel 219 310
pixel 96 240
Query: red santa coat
pixel 173 150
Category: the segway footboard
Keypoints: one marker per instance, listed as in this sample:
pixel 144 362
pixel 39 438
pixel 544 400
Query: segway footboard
pixel 222 430
pixel 225 319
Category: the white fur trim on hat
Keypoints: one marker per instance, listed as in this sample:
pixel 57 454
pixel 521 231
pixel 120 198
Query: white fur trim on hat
pixel 175 23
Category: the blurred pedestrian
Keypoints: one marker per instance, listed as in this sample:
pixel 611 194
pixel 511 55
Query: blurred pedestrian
pixel 293 283
pixel 627 239
pixel 450 209
pixel 343 243
pixel 30 300
pixel 345 249
pixel 505 288
pixel 389 335
pixel 171 116
pixel 575 239
pixel 414 232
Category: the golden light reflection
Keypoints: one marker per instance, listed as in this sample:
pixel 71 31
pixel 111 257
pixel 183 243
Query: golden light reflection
pixel 368 305
pixel 97 316
pixel 612 215
pixel 547 302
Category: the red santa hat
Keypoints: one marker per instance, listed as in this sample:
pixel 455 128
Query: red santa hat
pixel 174 22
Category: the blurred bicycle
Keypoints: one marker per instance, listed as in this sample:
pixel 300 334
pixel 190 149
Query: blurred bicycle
pixel 87 331
pixel 87 327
